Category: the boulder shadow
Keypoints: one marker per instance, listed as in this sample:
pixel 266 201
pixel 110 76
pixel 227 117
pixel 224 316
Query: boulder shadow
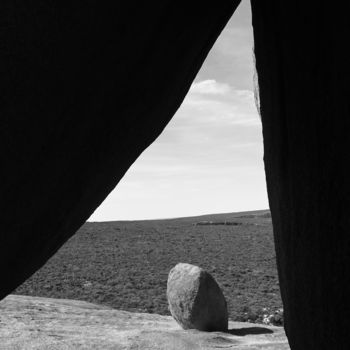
pixel 241 332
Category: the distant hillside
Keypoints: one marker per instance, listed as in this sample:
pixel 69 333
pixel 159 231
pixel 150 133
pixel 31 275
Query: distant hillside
pixel 125 264
pixel 258 214
pixel 209 217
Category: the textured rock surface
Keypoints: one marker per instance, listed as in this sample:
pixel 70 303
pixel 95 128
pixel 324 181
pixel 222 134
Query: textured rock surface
pixel 304 82
pixel 86 86
pixel 195 299
pixel 55 324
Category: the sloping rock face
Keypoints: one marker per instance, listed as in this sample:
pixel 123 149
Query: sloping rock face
pixel 195 299
pixel 303 65
pixel 55 324
pixel 85 87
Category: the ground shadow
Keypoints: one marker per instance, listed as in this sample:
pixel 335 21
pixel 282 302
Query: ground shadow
pixel 249 330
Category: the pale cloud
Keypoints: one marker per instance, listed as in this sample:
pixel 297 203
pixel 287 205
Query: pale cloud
pixel 247 94
pixel 209 133
pixel 224 105
pixel 210 87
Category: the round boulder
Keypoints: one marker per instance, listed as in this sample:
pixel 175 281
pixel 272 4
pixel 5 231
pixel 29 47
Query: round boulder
pixel 195 299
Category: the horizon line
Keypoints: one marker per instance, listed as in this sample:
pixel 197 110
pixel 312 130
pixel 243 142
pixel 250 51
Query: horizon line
pixel 180 217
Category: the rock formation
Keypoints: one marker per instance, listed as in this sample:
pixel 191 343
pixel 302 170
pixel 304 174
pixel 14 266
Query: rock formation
pixel 195 299
pixel 44 323
pixel 304 83
pixel 86 86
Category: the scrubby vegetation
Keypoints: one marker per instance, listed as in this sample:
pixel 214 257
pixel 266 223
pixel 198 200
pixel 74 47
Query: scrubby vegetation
pixel 125 264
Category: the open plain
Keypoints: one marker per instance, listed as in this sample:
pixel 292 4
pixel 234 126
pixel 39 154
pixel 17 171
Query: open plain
pixel 125 264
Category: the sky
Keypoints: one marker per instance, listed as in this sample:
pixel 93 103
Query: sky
pixel 209 159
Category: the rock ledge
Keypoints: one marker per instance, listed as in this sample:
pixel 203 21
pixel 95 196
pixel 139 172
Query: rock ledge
pixel 55 324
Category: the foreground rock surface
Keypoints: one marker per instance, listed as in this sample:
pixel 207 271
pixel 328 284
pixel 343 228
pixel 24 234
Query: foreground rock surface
pixel 43 323
pixel 195 299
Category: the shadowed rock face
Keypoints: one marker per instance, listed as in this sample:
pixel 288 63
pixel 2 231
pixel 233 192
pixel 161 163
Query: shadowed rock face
pixel 304 79
pixel 85 88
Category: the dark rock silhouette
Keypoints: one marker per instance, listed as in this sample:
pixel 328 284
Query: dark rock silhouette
pixel 86 87
pixel 304 81
pixel 195 299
